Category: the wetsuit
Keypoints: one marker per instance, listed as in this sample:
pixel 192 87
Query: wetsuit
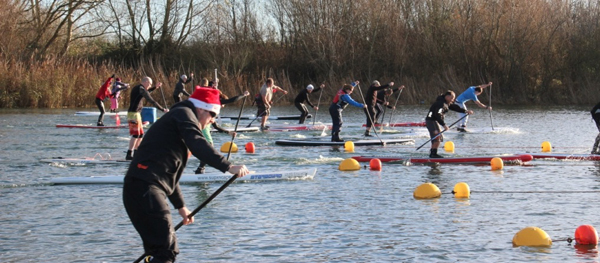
pixel 382 98
pixel 180 88
pixel 299 103
pixel 103 94
pixel 153 177
pixel 137 96
pixel 435 116
pixel 339 103
pixel 371 101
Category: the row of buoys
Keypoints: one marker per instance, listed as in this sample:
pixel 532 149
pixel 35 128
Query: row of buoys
pixel 350 164
pixel 234 148
pixel 536 237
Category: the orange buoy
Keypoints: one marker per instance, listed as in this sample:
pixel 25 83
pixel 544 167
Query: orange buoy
pixel 250 147
pixel 375 164
pixel 586 235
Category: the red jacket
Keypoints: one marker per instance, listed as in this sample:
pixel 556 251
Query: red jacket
pixel 104 92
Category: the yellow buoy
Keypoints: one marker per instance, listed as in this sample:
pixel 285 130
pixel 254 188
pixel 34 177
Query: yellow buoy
pixel 427 191
pixel 461 190
pixel 532 237
pixel 225 147
pixel 546 147
pixel 349 165
pixel 449 146
pixel 497 163
pixel 349 146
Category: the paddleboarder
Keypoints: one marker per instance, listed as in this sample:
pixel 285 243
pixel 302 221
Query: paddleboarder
pixel 180 87
pixel 264 101
pixel 103 94
pixel 153 175
pixel 118 86
pixel 303 96
pixel 383 101
pixel 223 99
pixel 596 116
pixel 470 94
pixel 435 119
pixel 134 117
pixel 340 101
pixel 371 102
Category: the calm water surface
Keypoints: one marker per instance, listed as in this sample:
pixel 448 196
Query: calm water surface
pixel 360 216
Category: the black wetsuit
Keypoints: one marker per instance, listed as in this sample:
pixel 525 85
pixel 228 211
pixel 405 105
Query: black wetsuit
pixel 299 103
pixel 138 93
pixel 371 101
pixel 180 88
pixel 435 116
pixel 153 177
pixel 382 98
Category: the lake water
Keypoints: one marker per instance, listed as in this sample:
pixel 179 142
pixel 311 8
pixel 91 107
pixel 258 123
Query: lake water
pixel 359 216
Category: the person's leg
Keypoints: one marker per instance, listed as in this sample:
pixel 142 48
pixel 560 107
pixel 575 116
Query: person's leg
pixel 100 105
pixel 176 98
pixel 462 125
pixel 150 215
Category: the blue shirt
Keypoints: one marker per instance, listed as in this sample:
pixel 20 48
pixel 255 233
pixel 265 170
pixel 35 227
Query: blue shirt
pixel 467 95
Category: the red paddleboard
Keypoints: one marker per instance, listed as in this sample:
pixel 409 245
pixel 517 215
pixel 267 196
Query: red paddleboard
pixel 567 156
pixel 458 160
pixel 90 126
pixel 83 126
pixel 400 124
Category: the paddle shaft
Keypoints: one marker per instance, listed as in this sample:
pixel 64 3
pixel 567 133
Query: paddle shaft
pixel 396 103
pixel 368 113
pixel 211 197
pixel 442 131
pixel 318 103
pixel 490 105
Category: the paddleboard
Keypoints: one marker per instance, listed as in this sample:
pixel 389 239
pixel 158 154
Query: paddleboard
pixel 306 174
pixel 312 142
pixel 567 156
pixel 288 117
pixel 400 124
pixel 299 127
pixel 83 160
pixel 476 130
pixel 90 126
pixel 97 113
pixel 83 126
pixel 241 129
pixel 243 117
pixel 518 158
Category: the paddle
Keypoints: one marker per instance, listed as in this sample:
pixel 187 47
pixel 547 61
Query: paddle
pixel 369 114
pixel 490 105
pixel 442 131
pixel 250 124
pixel 396 103
pixel 318 103
pixel 211 197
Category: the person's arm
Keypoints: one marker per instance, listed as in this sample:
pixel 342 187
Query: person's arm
pixel 151 100
pixel 233 99
pixel 350 101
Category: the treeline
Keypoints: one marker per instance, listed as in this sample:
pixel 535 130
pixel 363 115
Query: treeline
pixel 57 53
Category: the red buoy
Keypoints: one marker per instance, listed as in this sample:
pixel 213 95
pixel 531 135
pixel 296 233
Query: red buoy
pixel 586 235
pixel 375 164
pixel 250 147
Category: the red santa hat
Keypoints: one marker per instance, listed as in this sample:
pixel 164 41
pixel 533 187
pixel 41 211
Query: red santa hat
pixel 206 99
